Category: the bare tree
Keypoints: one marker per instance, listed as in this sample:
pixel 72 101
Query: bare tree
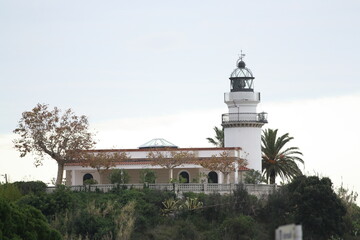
pixel 48 132
pixel 223 163
pixel 102 161
pixel 169 158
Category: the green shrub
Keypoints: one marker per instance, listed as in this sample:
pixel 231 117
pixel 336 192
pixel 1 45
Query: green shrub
pixel 24 223
pixel 9 192
pixel 241 228
pixel 90 181
pixel 147 176
pixel 35 187
pixel 119 176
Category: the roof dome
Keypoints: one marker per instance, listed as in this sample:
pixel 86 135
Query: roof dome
pixel 241 71
pixel 158 143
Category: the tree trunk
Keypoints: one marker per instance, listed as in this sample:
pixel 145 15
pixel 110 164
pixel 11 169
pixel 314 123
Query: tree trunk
pixel 226 178
pixel 272 178
pixel 171 174
pixel 60 174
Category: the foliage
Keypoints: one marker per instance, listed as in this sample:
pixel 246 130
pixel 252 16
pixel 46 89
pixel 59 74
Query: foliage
pixel 47 132
pixel 222 162
pixel 170 206
pixel 309 201
pixel 277 161
pixel 254 177
pixel 35 187
pixel 102 161
pixel 319 209
pixel 192 204
pixel 24 223
pixel 125 222
pixel 147 176
pixel 10 192
pixel 149 214
pixel 352 217
pixel 169 158
pixel 238 228
pixel 60 201
pixel 119 176
pixel 90 181
pixel 219 138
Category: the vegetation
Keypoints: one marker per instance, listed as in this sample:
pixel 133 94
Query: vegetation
pixel 278 160
pixel 219 138
pixel 254 177
pixel 169 158
pixel 150 214
pixel 102 161
pixel 119 176
pixel 47 132
pixel 147 176
pixel 223 163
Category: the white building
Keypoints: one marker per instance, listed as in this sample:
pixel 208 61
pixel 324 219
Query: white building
pixel 242 135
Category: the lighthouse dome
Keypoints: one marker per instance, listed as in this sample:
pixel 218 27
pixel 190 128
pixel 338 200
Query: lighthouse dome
pixel 241 71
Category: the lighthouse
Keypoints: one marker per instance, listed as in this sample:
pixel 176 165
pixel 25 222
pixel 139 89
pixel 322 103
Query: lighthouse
pixel 242 124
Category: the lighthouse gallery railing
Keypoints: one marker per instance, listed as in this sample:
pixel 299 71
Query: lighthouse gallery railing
pixel 244 117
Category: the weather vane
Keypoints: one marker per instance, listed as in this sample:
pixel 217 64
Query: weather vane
pixel 241 55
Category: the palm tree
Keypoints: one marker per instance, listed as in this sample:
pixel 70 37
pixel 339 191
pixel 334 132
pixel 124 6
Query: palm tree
pixel 219 137
pixel 277 161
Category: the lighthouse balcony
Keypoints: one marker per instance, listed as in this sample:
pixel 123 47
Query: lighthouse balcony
pixel 244 117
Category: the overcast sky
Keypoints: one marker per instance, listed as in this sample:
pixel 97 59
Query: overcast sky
pixel 146 69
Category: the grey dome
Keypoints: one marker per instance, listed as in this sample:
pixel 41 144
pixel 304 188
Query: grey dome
pixel 241 71
pixel 158 143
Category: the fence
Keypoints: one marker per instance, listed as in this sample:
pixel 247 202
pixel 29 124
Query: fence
pixel 179 188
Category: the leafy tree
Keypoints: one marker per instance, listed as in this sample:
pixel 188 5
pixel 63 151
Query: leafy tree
pixel 219 138
pixel 169 158
pixel 254 177
pixel 119 176
pixel 222 162
pixel 277 161
pixel 352 217
pixel 317 207
pixel 46 132
pixel 147 176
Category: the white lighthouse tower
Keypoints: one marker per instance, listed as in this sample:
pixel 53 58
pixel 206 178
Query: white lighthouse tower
pixel 242 125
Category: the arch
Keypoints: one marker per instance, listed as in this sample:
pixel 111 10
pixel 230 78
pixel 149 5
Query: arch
pixel 213 177
pixel 185 176
pixel 87 176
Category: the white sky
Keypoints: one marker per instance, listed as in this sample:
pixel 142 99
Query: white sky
pixel 146 69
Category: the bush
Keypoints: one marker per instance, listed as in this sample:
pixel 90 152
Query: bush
pixel 35 187
pixel 147 176
pixel 241 228
pixel 24 223
pixel 119 176
pixel 9 192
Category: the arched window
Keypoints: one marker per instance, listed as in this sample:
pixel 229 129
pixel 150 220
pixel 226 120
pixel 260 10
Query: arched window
pixel 184 177
pixel 87 177
pixel 212 177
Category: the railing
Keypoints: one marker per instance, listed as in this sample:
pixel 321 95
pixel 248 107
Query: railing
pixel 179 188
pixel 244 117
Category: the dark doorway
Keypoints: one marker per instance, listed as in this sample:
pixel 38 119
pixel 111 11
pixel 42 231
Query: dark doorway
pixel 184 177
pixel 212 177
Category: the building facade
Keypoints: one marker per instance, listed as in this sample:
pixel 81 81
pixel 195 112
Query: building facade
pixel 242 141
